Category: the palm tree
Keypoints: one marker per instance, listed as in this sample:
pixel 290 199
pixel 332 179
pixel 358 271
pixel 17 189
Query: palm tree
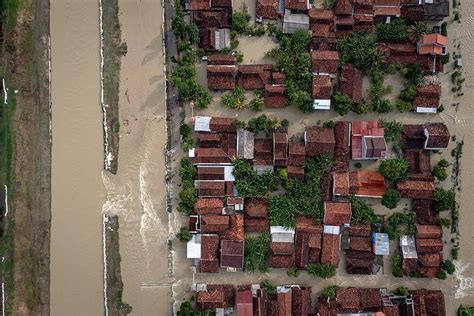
pixel 416 31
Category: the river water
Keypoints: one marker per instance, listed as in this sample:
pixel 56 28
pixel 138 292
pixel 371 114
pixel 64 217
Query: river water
pixel 77 160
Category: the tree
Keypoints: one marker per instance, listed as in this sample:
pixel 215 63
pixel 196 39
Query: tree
pixel 359 48
pixel 445 222
pixel 256 104
pixel 187 309
pixel 397 270
pixel 395 169
pixel 361 107
pixel 395 31
pixel 240 22
pixel 342 103
pixel 302 99
pixel 184 235
pixel 187 197
pixel 448 266
pixel 416 31
pixel 267 285
pixel 440 173
pixel 404 106
pixel 362 213
pixel 382 105
pixel 441 275
pixel 445 200
pixel 402 290
pixel 324 271
pixel 330 291
pixel 391 198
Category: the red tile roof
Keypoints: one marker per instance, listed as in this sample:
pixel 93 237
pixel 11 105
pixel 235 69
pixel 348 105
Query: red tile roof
pixel 263 152
pixel 212 19
pixel 419 162
pixel 428 96
pixel 351 82
pixel 244 303
pixel 367 183
pixel 372 133
pixel 254 76
pixel 256 208
pixel 236 228
pixel 282 255
pixel 267 9
pixel 208 206
pixel 337 213
pixel 196 5
pixel 211 188
pixel 322 87
pixel 341 183
pixel 284 303
pixel 331 247
pixel 301 5
pixel 221 3
pixel 325 61
pixel 360 230
pixel 430 259
pixel 347 300
pixel 275 96
pixel 429 231
pixel 296 153
pixel 220 59
pixel 363 244
pixel 429 245
pixel 223 125
pixel 302 301
pixel 216 296
pixel 343 7
pixel 210 173
pixel 221 77
pixel 416 189
pixel 214 223
pixel 232 254
pixel 257 225
pixel 425 214
pixel 280 149
pixel 439 135
pixel 318 15
pixel 432 44
pixel 307 224
pixel 341 156
pixel 319 140
pixel 370 300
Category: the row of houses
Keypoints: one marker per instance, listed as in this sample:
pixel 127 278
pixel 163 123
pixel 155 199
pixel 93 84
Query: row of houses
pixel 296 300
pixel 221 217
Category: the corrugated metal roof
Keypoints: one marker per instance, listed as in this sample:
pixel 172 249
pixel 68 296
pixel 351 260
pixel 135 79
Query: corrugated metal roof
pixel 408 246
pixel 202 124
pixel 381 244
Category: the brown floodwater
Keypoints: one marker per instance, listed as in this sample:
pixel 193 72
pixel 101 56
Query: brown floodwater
pixel 77 160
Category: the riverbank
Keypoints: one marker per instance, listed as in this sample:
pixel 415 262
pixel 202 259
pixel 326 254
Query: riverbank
pixel 26 157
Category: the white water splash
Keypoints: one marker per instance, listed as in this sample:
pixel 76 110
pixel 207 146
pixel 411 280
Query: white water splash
pixel 464 284
pixel 6 200
pixel 5 92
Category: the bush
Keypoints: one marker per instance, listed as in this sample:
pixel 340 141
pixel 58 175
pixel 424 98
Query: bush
pixel 443 163
pixel 408 94
pixel 359 48
pixel 187 308
pixel 465 311
pixel 285 123
pixel 395 31
pixel 324 271
pixel 267 285
pixel 382 105
pixel 187 199
pixel 256 253
pixel 413 73
pixel 444 222
pixel 397 270
pixel 441 275
pixel 240 22
pixel 184 235
pixel 448 266
pixel 440 173
pixel 404 106
pixel 330 291
pixel 358 165
pixel 361 108
pixel 342 103
pixel 445 200
pixel 455 253
pixel 249 183
pixel 329 124
pixel 444 28
pixel 395 169
pixel 392 130
pixel 257 103
pixel 445 59
pixel 402 290
pixel 293 272
pixel 401 224
pixel 234 99
pixel 361 212
pixel 303 100
pixel 391 198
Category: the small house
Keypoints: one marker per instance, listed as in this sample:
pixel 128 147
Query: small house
pixel 347 300
pixel 209 262
pixel 282 255
pixel 215 297
pixel 429 245
pixel 319 140
pixel 296 153
pixel 280 149
pixel 221 77
pixel 208 206
pixel 368 140
pixel 294 21
pixel 433 44
pixel 386 10
pixel 427 98
pixel 214 39
pixel 232 254
pixel 256 216
pixel 214 223
pixel 245 144
pixel 337 213
pixel 325 62
pixel 350 82
pixel 253 77
pixel 275 96
pixel 301 300
pixel 331 248
pixel 415 189
pixel 263 155
pixel 437 136
pixel 322 92
pixel 267 9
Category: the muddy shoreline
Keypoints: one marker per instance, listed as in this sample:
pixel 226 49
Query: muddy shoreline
pixel 28 222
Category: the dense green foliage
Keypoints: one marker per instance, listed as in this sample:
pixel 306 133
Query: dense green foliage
pixel 293 272
pixel 330 291
pixel 401 224
pixel 395 31
pixel 186 137
pixel 465 311
pixel 402 290
pixel 445 200
pixel 184 235
pixel 412 73
pixel 263 124
pixel 361 107
pixel 445 222
pixel 441 275
pixel 240 24
pixel 188 194
pixel 256 253
pixel 359 48
pixel 362 213
pixel 397 270
pixel 249 183
pixel 324 271
pixel 235 99
pixel 395 169
pixel 392 130
pixel 184 75
pixel 342 103
pixel 416 31
pixel 390 198
pixel 256 104
pixel 187 308
pixel 294 59
pixel 269 286
pixel 440 173
pixel 301 197
pixel 448 266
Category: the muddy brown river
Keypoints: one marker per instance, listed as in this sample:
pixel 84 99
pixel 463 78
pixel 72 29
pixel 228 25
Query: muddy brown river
pixel 77 158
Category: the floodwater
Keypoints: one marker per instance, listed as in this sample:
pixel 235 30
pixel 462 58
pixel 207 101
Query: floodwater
pixel 138 192
pixel 77 160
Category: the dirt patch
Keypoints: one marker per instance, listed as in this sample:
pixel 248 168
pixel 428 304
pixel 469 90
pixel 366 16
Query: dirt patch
pixel 27 226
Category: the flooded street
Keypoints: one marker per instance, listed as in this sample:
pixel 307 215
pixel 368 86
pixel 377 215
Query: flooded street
pixel 138 193
pixel 77 160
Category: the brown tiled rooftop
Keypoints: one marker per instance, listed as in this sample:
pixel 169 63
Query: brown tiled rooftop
pixel 210 173
pixel 232 254
pixel 296 153
pixel 235 231
pixel 205 206
pixel 439 135
pixel 370 300
pixel 330 252
pixel 425 214
pixel 319 140
pixel 430 259
pixel 322 87
pixel 325 61
pixel 282 255
pixel 307 224
pixel 343 7
pixel 419 162
pixel 429 245
pixel 284 304
pixel 429 231
pixel 347 300
pixel 220 59
pixel 301 5
pixel 254 76
pixel 195 5
pixel 360 230
pixel 321 15
pixel 351 82
pixel 214 223
pixel 267 9
pixel 221 77
pixel 223 125
pixel 209 247
pixel 416 189
pixel 211 188
pixel 358 262
pixel 337 213
pixel 301 301
pixel 275 96
pixel 295 172
pixel 256 208
pixel 360 244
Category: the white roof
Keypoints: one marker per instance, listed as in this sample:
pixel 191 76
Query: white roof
pixel 282 234
pixel 193 249
pixel 407 243
pixel 333 230
pixel 228 176
pixel 420 109
pixel 322 104
pixel 382 244
pixel 202 124
pixel 192 153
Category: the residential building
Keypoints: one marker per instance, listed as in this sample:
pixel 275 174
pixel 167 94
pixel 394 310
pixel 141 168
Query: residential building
pixel 433 44
pixel 319 141
pixel 368 140
pixel 322 92
pixel 427 98
pixel 415 189
pixel 437 136
pixel 350 82
pixel 293 22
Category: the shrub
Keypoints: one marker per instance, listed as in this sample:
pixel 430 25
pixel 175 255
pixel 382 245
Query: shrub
pixel 328 4
pixel 329 124
pixel 187 308
pixel 401 224
pixel 257 103
pixel 445 59
pixel 382 105
pixel 240 22
pixel 267 285
pixel 361 212
pixel 404 106
pixel 448 266
pixel 455 253
pixel 361 108
pixel 285 123
pixel 239 124
pixel 358 165
pixel 444 222
pixel 302 99
pixel 392 130
pixel 441 275
pixel 440 173
pixel 391 198
pixel 445 200
pixel 402 290
pixel 397 270
pixel 465 311
pixel 249 183
pixel 408 94
pixel 394 169
pixel 293 272
pixel 342 103
pixel 184 235
pixel 234 99
pixel 395 31
pixel 187 199
pixel 443 163
pixel 256 253
pixel 413 73
pixel 324 271
pixel 239 57
pixel 330 291
pixel 444 28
